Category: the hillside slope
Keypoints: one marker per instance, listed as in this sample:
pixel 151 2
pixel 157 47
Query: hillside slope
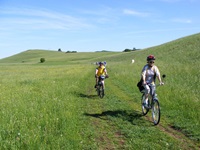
pixel 181 50
pixel 33 56
pixel 62 91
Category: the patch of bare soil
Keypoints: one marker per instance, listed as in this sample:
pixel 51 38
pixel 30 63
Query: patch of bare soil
pixel 109 138
pixel 187 144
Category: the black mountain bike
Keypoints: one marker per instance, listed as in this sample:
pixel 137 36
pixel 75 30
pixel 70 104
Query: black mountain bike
pixel 100 88
pixel 154 105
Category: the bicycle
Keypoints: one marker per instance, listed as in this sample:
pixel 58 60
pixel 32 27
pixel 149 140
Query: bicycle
pixel 153 104
pixel 100 87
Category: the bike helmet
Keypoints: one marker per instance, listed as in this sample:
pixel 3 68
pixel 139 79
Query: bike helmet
pixel 151 57
pixel 101 63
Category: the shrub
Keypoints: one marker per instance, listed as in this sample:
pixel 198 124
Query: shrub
pixel 127 50
pixel 42 60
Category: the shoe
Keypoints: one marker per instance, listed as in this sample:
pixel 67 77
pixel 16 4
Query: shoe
pixel 146 105
pixel 95 86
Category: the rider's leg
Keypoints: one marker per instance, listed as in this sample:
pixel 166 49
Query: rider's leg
pixel 153 91
pixel 147 91
pixel 96 81
pixel 103 84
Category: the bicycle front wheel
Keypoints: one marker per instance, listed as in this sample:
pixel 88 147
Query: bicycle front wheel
pixel 101 92
pixel 144 109
pixel 155 112
pixel 98 91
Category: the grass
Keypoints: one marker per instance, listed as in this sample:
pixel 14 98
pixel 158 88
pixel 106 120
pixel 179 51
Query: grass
pixel 53 105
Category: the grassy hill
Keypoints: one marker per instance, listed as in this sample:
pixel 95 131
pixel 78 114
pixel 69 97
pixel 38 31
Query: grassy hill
pixel 54 57
pixel 53 105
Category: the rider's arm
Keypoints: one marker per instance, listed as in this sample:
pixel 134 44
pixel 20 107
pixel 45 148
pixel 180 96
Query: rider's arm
pixel 144 78
pixel 144 75
pixel 158 76
pixel 105 71
pixel 96 71
pixel 159 79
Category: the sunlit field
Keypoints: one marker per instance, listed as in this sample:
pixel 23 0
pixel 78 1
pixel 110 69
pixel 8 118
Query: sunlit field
pixel 53 105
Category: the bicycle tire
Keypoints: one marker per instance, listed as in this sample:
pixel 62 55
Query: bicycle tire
pixel 98 91
pixel 144 109
pixel 155 112
pixel 101 92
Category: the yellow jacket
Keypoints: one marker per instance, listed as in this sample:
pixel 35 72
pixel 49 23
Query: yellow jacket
pixel 101 70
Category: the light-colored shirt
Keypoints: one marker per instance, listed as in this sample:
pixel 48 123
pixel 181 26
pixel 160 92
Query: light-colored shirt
pixel 150 73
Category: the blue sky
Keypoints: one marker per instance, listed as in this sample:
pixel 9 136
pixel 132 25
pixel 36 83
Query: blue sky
pixel 94 25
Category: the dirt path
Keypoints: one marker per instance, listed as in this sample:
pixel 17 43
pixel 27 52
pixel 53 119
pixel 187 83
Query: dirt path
pixel 186 142
pixel 110 137
pixel 167 129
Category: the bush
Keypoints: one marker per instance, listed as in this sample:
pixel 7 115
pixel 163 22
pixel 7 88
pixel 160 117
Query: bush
pixel 71 51
pixel 42 60
pixel 127 50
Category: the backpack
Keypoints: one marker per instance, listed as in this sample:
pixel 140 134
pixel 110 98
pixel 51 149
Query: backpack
pixel 139 84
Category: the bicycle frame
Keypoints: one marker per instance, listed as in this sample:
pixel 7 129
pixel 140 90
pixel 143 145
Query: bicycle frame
pixel 100 87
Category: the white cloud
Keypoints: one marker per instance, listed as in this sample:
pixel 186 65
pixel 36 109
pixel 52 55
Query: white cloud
pixel 162 30
pixel 40 19
pixel 178 20
pixel 103 15
pixel 135 13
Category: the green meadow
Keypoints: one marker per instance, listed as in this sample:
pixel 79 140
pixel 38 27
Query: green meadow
pixel 53 105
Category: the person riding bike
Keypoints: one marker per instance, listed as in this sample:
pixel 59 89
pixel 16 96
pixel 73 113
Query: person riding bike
pixel 149 74
pixel 101 70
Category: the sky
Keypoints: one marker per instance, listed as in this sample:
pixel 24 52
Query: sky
pixel 94 25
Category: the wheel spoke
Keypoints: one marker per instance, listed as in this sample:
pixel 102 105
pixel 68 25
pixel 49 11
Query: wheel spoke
pixel 156 112
pixel 144 110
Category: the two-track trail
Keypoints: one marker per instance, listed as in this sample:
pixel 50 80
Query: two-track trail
pixel 119 124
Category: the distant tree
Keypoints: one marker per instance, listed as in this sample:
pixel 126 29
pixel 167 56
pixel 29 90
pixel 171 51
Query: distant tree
pixel 130 50
pixel 42 60
pixel 71 51
pixel 127 50
pixel 59 50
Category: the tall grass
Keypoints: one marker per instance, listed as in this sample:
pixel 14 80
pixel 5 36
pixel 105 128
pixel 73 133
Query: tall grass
pixel 53 105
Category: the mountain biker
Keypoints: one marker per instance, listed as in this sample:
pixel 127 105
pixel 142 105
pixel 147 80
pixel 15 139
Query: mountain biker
pixel 149 74
pixel 101 70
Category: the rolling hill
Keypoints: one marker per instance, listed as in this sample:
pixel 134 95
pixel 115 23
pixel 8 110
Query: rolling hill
pixel 53 105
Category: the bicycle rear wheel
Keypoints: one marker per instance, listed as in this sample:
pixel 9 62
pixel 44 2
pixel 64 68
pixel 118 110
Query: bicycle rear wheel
pixel 155 112
pixel 144 109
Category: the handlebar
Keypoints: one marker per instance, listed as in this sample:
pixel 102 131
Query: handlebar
pixel 102 76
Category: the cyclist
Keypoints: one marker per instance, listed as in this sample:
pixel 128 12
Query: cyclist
pixel 101 70
pixel 149 74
